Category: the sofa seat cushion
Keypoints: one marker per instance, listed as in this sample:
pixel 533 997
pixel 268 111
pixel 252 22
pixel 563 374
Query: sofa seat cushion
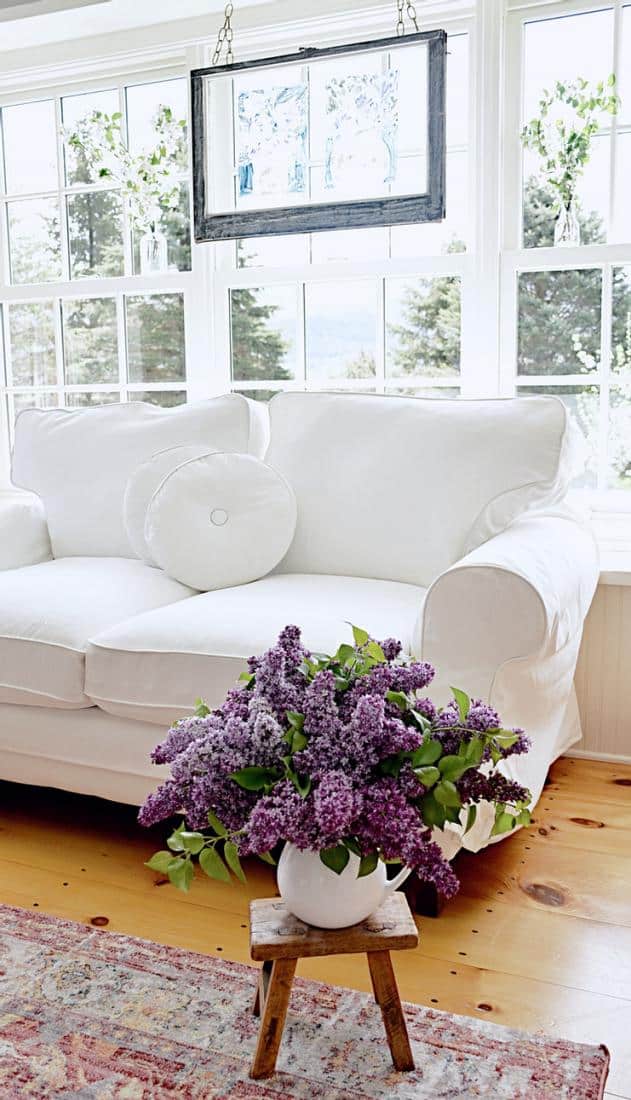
pixel 48 612
pixel 153 667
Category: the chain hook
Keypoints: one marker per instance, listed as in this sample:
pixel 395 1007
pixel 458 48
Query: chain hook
pixel 225 37
pixel 406 7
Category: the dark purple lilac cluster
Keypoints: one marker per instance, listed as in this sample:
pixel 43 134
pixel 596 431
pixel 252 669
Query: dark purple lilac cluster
pixel 338 753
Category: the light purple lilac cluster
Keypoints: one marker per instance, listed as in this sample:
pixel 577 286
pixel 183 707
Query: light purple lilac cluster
pixel 341 748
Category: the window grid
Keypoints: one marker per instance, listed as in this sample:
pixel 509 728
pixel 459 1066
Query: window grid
pixel 604 258
pixel 79 289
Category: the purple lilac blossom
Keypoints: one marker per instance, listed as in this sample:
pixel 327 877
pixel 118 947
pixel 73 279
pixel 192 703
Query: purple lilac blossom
pixel 350 729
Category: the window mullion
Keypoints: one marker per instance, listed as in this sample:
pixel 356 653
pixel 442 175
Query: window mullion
pixel 606 319
pixel 61 197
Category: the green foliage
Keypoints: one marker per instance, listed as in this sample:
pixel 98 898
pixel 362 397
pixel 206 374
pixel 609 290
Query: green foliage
pixel 336 858
pixel 149 181
pixel 562 133
pixel 428 339
pixel 258 348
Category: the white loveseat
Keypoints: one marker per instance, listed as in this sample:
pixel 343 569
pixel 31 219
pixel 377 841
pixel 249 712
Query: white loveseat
pixel 440 523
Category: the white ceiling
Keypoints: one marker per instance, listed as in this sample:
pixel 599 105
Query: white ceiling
pixel 97 18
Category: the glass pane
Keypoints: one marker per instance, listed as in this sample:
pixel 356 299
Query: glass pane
pixel 257 395
pixel 619 437
pixel 95 234
pixel 75 110
pixel 273 251
pixel 559 321
pixel 423 326
pixel 624 71
pixel 166 399
pixel 621 322
pixel 148 123
pixel 621 229
pixel 30 147
pixel 341 329
pixel 88 400
pixel 33 400
pixel 263 324
pixel 90 340
pixel 619 433
pixel 583 404
pixel 175 224
pixel 450 235
pixel 34 245
pixel 155 337
pixel 32 342
pixel 349 244
pixel 438 393
pixel 565 49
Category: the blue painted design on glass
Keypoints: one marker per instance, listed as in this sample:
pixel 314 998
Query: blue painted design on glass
pixel 272 140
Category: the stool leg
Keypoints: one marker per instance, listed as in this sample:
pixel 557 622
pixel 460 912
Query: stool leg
pixel 387 995
pixel 261 987
pixel 274 1012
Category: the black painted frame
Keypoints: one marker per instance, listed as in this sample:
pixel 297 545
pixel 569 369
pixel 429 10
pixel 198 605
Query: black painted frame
pixel 428 206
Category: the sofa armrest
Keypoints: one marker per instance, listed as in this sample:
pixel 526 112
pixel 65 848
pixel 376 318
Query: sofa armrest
pixel 524 592
pixel 24 538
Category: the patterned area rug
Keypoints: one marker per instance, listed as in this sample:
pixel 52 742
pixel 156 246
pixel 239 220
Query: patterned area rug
pixel 92 1015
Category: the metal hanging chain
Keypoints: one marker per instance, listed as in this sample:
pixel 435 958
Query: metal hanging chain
pixel 225 38
pixel 402 8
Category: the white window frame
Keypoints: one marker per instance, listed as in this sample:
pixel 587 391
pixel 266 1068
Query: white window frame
pixel 515 259
pixel 190 284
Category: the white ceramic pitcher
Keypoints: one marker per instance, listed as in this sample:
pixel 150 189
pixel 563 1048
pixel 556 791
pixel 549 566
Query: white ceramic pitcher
pixel 321 897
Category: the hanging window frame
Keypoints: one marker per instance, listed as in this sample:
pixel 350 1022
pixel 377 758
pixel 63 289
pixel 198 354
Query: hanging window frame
pixel 426 206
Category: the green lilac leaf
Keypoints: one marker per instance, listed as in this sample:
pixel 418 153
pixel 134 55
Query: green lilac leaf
pixel 231 856
pixel 360 636
pixel 367 864
pixel 445 792
pixel 181 874
pixel 427 776
pixel 471 816
pixel 216 824
pixel 160 861
pixel 213 865
pixel 254 778
pixel 463 701
pixel 428 753
pixel 335 858
pixel 193 842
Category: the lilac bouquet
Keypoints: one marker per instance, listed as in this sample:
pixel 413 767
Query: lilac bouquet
pixel 335 755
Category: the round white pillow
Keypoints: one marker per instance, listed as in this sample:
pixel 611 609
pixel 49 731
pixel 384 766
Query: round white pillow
pixel 142 485
pixel 221 520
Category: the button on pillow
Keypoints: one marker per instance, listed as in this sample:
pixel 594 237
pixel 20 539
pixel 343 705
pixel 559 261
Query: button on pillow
pixel 142 485
pixel 220 520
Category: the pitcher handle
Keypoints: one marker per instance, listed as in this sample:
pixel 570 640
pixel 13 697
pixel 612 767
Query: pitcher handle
pixel 398 880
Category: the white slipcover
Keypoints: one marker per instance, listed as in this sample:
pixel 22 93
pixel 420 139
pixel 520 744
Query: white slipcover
pixel 219 520
pixel 154 666
pixel 24 538
pixel 48 612
pixel 142 484
pixel 401 488
pixel 79 460
pixel 440 523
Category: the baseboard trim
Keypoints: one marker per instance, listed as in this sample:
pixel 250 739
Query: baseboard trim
pixel 606 757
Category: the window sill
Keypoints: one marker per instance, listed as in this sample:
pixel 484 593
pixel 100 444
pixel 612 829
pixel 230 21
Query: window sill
pixel 613 534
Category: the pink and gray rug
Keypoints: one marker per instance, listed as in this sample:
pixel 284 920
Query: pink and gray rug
pixel 91 1015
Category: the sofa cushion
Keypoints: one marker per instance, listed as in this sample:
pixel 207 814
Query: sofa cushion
pixel 142 484
pixel 220 520
pixel 401 488
pixel 79 460
pixel 153 667
pixel 48 612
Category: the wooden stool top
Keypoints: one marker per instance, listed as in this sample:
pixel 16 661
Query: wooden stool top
pixel 276 934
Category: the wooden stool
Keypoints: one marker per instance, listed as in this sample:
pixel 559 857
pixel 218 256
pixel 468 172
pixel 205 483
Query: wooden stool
pixel 278 940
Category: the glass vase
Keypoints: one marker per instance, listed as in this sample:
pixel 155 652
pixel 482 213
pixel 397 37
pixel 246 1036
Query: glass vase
pixel 567 229
pixel 153 253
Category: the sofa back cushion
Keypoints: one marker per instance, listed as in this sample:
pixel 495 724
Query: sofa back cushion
pixel 79 460
pixel 400 488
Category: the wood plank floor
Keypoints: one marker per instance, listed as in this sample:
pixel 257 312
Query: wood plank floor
pixel 539 937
